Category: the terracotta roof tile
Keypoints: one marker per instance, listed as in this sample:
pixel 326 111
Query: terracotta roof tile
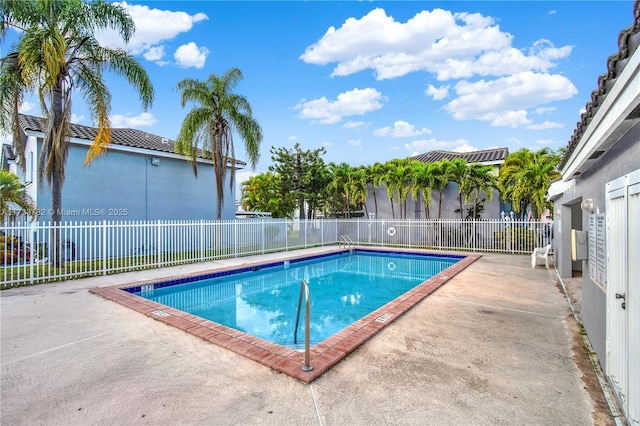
pixel 628 41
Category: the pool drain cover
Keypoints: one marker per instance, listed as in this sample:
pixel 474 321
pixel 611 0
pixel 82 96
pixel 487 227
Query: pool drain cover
pixel 160 313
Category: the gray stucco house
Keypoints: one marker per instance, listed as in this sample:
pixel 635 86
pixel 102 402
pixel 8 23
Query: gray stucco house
pixel 450 202
pixel 597 218
pixel 138 178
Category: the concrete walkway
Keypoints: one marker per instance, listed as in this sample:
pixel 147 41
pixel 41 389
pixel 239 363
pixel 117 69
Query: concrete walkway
pixel 496 345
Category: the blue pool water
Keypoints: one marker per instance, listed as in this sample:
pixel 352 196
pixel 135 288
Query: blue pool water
pixel 263 302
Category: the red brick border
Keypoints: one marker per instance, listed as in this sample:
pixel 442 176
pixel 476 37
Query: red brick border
pixel 323 356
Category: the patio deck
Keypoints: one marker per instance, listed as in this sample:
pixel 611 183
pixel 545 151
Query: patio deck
pixel 496 345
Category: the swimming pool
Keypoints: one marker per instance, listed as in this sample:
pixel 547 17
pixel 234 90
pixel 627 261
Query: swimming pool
pixel 263 302
pixel 281 355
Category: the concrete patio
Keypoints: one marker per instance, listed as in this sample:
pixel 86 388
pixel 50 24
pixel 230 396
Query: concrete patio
pixel 496 345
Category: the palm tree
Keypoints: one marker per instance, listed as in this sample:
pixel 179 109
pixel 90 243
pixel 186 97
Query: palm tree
pixel 458 169
pixel 339 185
pixel 12 191
pixel 525 178
pixel 480 179
pixel 441 178
pixel 423 180
pixel 56 54
pixel 357 185
pixel 376 177
pixel 207 130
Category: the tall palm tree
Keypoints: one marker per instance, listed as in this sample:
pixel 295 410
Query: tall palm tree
pixel 207 130
pixel 56 55
pixel 12 191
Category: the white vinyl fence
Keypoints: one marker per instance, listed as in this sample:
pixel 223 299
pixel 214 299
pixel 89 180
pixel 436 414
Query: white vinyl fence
pixel 30 254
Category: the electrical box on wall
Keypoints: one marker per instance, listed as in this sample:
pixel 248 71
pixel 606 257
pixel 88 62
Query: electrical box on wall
pixel 579 245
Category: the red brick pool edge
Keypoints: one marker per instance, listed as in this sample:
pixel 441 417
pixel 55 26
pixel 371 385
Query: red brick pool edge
pixel 323 356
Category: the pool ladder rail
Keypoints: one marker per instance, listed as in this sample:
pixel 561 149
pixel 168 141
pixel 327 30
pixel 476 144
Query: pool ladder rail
pixel 304 292
pixel 347 242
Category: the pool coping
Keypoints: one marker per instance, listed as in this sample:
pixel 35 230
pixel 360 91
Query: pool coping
pixel 324 355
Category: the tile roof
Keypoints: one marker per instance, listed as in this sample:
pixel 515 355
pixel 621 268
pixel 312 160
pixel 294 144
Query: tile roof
pixel 7 155
pixel 7 152
pixel 628 41
pixel 484 156
pixel 120 136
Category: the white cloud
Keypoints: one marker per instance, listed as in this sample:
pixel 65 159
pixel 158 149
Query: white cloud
pixel 545 142
pixel 426 145
pixel 465 148
pixel 77 119
pixel 546 125
pixel 450 45
pixel 293 138
pixel 153 27
pixel 356 124
pixel 504 101
pixel 26 107
pixel 325 144
pixel 544 110
pixel 154 54
pixel 355 142
pixel 190 55
pixel 401 129
pixel 353 102
pixel 145 119
pixel 437 93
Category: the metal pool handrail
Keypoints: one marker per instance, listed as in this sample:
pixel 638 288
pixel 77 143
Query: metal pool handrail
pixel 346 241
pixel 304 290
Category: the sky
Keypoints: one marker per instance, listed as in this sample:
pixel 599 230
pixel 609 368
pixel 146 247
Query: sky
pixel 378 80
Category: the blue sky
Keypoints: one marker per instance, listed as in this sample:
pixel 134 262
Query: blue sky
pixel 373 81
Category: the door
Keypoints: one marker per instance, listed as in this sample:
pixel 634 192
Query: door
pixel 623 283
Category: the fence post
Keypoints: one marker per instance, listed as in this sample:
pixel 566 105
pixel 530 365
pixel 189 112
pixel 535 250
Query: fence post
pixel 235 238
pixel 158 238
pixel 201 238
pixel 104 247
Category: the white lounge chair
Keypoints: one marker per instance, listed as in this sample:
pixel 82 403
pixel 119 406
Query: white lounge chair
pixel 540 253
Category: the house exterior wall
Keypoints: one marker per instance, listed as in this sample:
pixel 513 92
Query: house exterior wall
pixel 416 208
pixel 122 185
pixel 623 158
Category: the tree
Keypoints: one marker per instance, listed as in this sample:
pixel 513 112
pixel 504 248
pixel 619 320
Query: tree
pixel 375 177
pixel 339 187
pixel 423 180
pixel 207 130
pixel 301 173
pixel 441 178
pixel 263 193
pixel 480 179
pixel 56 54
pixel 357 187
pixel 458 170
pixel 525 178
pixel 12 191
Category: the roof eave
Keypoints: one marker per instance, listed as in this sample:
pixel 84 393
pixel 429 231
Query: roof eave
pixel 610 121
